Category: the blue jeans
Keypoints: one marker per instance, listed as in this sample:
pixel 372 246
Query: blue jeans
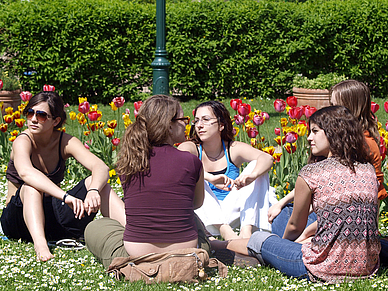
pixel 282 254
pixel 280 222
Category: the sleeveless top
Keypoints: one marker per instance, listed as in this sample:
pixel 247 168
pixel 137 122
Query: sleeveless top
pixel 231 171
pixel 346 244
pixel 55 176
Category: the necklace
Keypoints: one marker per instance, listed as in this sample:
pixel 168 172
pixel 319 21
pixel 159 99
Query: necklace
pixel 216 157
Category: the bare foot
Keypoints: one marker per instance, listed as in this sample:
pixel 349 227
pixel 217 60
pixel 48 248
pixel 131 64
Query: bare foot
pixel 43 253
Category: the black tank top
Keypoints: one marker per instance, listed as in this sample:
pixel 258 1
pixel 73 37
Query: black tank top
pixel 55 176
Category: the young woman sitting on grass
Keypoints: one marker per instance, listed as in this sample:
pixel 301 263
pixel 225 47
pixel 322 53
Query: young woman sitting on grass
pixel 37 209
pixel 341 185
pixel 162 187
pixel 231 199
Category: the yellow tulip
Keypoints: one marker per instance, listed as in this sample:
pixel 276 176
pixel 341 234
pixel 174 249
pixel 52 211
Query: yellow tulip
pixel 12 138
pixel 112 173
pixel 9 110
pixel 82 99
pixel 113 106
pixel 236 129
pixel 283 121
pixel 15 132
pixel 94 107
pixel 1 104
pixel 72 115
pixel 86 132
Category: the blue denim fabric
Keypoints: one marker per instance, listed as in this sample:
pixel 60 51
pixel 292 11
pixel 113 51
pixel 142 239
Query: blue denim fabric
pixel 282 254
pixel 280 222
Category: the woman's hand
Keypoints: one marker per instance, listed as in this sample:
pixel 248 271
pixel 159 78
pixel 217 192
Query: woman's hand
pixel 274 211
pixel 77 205
pixel 244 180
pixel 92 201
pixel 221 181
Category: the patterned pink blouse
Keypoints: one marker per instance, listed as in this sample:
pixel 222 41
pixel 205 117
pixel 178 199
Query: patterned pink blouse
pixel 346 244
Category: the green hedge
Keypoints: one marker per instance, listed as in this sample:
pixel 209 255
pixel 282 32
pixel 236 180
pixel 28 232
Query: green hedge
pixel 217 48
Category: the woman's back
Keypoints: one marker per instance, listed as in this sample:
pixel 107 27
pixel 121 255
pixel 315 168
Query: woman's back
pixel 346 243
pixel 159 204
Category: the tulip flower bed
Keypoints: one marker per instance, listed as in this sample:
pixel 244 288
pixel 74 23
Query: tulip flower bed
pixel 278 127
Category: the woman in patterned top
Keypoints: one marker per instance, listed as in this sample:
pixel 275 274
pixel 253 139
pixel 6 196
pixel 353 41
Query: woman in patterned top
pixel 342 188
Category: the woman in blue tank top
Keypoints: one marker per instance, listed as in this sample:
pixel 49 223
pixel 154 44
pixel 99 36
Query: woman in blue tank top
pixel 231 199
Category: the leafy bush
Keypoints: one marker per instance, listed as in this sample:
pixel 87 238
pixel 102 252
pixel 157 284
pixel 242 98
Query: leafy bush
pixel 322 81
pixel 242 48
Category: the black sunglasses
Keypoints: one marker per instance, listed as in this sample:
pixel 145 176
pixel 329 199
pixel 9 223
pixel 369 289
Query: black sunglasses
pixel 41 116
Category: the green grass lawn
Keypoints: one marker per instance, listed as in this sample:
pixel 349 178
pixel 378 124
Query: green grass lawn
pixel 78 270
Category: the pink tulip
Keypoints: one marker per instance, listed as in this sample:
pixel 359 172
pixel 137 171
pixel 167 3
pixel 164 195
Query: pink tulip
pixel 296 112
pixel 1 84
pixel 265 115
pixel 292 101
pixel 238 119
pixel 67 105
pixel 309 111
pixel 84 107
pixel 127 111
pixel 252 132
pixel 279 105
pixel 244 109
pixel 93 115
pixel 26 96
pixel 118 101
pixel 258 120
pixel 48 88
pixel 87 146
pixel 277 131
pixel 137 105
pixel 374 106
pixel 291 137
pixel 386 126
pixel 115 141
pixel 235 103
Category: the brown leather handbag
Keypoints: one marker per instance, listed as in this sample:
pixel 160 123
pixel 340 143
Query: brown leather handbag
pixel 185 265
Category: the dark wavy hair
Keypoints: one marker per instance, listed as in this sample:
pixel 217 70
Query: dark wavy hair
pixel 55 103
pixel 344 133
pixel 223 117
pixel 151 128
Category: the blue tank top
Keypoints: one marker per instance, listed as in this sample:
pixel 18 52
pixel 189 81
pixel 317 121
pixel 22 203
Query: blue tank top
pixel 231 171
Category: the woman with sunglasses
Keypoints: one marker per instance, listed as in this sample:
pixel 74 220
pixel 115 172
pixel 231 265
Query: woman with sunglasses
pixel 37 209
pixel 231 199
pixel 162 186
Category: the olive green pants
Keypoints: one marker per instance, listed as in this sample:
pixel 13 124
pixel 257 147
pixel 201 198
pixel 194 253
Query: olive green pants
pixel 104 239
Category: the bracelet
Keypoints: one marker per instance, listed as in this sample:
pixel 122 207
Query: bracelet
pixel 93 189
pixel 64 198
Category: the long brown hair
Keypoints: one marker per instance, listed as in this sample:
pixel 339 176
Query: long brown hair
pixel 355 96
pixel 344 133
pixel 150 129
pixel 223 117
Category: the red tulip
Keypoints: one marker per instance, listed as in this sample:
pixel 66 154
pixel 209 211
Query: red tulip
pixel 8 118
pixel 26 96
pixel 115 141
pixel 48 88
pixel 258 120
pixel 1 84
pixel 244 109
pixel 374 106
pixel 277 131
pixel 280 140
pixel 238 119
pixel 296 112
pixel 383 149
pixel 137 105
pixel 386 106
pixel 252 132
pixel 193 112
pixel 118 101
pixel 94 115
pixel 291 137
pixel 302 122
pixel 235 103
pixel 19 122
pixel 290 148
pixel 308 111
pixel 3 127
pixel 84 107
pixel 292 101
pixel 279 105
pixel 265 115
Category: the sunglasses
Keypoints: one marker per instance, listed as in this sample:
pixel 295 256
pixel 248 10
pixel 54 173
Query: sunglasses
pixel 41 116
pixel 185 119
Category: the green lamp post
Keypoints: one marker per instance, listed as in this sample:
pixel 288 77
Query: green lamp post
pixel 160 64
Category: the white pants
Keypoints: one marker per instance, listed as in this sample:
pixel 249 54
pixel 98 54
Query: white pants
pixel 246 206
